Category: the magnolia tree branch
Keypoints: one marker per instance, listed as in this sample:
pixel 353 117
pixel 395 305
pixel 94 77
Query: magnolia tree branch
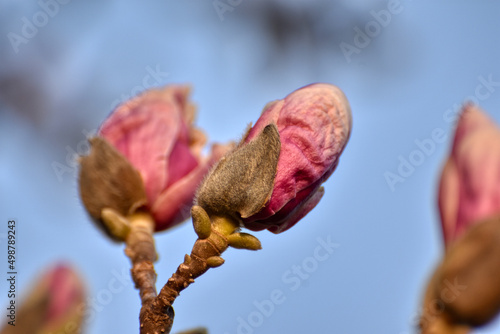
pixel 204 255
pixel 215 235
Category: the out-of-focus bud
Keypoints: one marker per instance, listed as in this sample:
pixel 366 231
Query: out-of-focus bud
pixel 273 178
pixel 466 285
pixel 147 155
pixel 465 288
pixel 434 317
pixel 470 182
pixel 54 305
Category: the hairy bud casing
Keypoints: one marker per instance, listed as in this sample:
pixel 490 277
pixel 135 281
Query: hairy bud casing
pixel 242 181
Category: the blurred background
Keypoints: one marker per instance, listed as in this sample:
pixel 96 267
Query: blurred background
pixel 405 66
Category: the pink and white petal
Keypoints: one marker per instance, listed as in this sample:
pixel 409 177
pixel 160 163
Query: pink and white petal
pixel 307 154
pixel 174 204
pixel 479 163
pixel 470 183
pixel 145 130
pixel 65 290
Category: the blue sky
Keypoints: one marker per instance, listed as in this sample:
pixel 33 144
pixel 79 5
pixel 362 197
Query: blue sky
pixel 403 86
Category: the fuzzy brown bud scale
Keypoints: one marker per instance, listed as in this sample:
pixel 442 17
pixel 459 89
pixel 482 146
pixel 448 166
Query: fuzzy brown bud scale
pixel 242 182
pixel 474 263
pixel 109 182
pixel 466 285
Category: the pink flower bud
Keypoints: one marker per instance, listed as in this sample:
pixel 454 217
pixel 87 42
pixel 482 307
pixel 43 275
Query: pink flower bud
pixel 469 190
pixel 55 304
pixel 314 124
pixel 154 132
pixel 66 293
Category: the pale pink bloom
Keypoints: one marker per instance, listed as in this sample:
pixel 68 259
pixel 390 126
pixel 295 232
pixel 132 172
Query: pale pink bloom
pixel 66 292
pixel 154 131
pixel 469 190
pixel 314 123
pixel 55 304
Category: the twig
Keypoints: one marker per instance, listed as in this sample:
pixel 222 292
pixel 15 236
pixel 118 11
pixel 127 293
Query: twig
pixel 215 235
pixel 204 255
pixel 142 253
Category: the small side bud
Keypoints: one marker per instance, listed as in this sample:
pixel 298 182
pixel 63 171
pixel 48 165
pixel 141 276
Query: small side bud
pixel 116 224
pixel 215 261
pixel 201 222
pixel 244 241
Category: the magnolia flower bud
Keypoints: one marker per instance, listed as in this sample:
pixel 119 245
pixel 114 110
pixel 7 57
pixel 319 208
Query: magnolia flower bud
pixel 147 156
pixel 314 124
pixel 56 304
pixel 470 182
pixel 465 289
pixel 273 178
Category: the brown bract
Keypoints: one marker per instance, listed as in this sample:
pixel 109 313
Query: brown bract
pixel 465 288
pixel 242 181
pixel 108 181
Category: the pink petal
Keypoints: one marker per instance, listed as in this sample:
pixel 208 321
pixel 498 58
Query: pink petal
pixel 145 130
pixel 65 290
pixel 292 218
pixel 314 123
pixel 470 185
pixel 174 204
pixel 180 162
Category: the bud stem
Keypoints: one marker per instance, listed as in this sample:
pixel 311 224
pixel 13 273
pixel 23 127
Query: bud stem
pixel 157 314
pixel 204 255
pixel 142 253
